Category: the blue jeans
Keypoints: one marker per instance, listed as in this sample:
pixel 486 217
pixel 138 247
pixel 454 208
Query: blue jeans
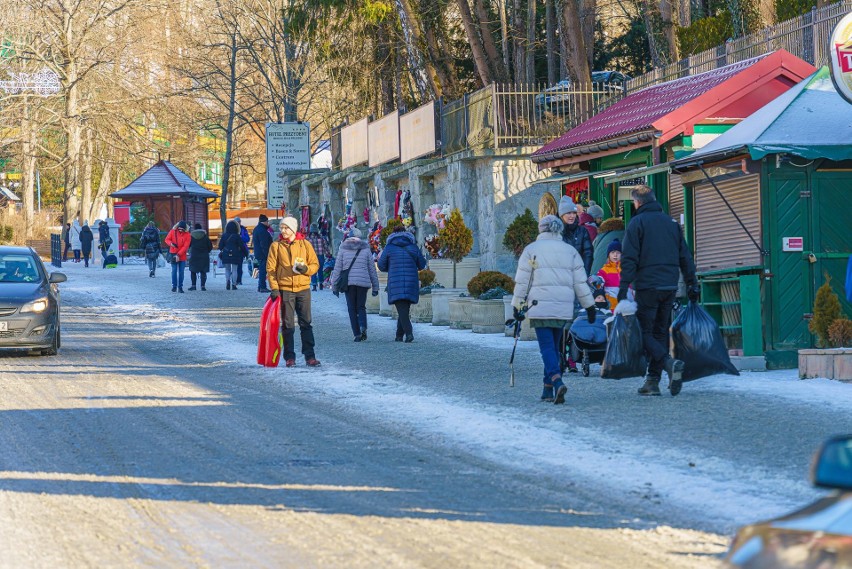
pixel 177 274
pixel 316 278
pixel 261 274
pixel 549 340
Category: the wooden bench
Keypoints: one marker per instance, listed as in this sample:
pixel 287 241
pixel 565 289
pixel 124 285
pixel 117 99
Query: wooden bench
pixel 42 247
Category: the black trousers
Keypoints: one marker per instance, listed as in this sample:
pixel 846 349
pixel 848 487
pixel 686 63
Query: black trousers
pixel 403 323
pixel 192 277
pixel 655 316
pixel 296 307
pixel 356 302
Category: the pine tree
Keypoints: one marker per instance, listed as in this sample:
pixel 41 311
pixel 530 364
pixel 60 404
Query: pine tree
pixel 456 239
pixel 826 310
pixel 521 232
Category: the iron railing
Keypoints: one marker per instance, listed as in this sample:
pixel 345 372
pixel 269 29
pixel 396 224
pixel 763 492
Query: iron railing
pixel 56 250
pixel 806 37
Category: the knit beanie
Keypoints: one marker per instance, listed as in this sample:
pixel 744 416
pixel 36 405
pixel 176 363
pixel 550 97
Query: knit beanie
pixel 355 232
pixel 314 228
pixel 550 224
pixel 566 205
pixel 181 224
pixel 595 211
pixel 292 223
pixel 614 246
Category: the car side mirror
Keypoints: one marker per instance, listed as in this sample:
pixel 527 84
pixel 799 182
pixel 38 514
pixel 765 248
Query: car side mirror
pixel 832 467
pixel 57 278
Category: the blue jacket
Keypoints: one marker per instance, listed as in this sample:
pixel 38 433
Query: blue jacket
pixel 232 248
pixel 261 240
pixel 401 259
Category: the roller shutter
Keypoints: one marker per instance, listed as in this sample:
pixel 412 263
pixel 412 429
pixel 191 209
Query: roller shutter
pixel 675 197
pixel 720 242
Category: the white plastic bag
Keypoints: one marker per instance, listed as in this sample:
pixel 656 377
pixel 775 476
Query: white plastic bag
pixel 161 261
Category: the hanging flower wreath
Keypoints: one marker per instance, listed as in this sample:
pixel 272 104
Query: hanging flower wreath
pixel 433 247
pixel 436 214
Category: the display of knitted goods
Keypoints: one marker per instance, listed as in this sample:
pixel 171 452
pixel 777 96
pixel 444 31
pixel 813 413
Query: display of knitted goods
pixel 407 211
pixel 396 203
pixel 306 216
pixel 323 225
pixel 436 214
pixel 375 245
pixel 433 247
pixel 366 215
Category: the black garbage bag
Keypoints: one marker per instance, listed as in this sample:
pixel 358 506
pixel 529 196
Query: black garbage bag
pixel 624 356
pixel 699 344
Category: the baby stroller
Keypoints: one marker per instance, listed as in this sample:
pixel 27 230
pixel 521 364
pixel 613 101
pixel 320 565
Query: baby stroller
pixel 327 268
pixel 586 343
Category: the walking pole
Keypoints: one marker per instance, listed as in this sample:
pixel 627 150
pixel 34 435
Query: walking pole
pixel 521 312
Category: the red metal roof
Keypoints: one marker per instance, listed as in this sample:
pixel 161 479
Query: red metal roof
pixel 637 113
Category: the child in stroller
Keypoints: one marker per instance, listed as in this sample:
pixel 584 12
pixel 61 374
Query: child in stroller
pixel 585 343
pixel 327 268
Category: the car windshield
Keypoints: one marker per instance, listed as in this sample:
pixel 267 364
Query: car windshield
pixel 17 268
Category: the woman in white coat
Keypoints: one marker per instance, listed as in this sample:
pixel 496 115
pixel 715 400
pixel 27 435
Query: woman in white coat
pixel 76 244
pixel 554 274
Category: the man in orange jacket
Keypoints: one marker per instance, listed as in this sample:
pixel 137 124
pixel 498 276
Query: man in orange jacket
pixel 290 264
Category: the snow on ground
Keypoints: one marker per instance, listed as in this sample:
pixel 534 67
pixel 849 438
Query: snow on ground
pixel 718 490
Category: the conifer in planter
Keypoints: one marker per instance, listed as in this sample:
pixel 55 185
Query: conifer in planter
pixel 521 232
pixel 488 280
pixel 456 239
pixel 826 310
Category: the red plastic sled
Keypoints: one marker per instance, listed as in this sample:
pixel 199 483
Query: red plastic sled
pixel 270 341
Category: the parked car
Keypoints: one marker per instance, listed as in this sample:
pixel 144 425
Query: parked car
pixel 29 302
pixel 819 536
pixel 602 81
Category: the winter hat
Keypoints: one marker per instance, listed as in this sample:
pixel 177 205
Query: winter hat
pixel 292 223
pixel 614 246
pixel 181 224
pixel 595 211
pixel 262 218
pixel 355 232
pixel 197 226
pixel 550 224
pixel 566 205
pixel 238 220
pixel 314 228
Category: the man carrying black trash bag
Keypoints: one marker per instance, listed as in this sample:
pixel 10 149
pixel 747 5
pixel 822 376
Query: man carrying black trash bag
pixel 653 253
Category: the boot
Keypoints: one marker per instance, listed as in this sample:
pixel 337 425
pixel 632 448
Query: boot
pixel 228 285
pixel 191 288
pixel 651 386
pixel 674 369
pixel 559 391
pixel 364 335
pixel 314 288
pixel 547 393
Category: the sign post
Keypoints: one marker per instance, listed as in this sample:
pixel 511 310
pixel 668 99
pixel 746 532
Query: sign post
pixel 288 148
pixel 840 49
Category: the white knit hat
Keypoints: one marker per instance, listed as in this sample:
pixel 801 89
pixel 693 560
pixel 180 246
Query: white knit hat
pixel 292 223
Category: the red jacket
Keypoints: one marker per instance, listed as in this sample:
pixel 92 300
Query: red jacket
pixel 588 222
pixel 178 242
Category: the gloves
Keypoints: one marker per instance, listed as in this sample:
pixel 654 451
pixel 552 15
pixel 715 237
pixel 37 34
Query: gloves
pixel 591 314
pixel 375 293
pixel 622 294
pixel 273 294
pixel 301 269
pixel 694 293
pixel 518 316
pixel 336 293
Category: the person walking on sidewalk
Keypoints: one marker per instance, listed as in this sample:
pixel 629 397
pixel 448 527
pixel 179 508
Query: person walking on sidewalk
pixel 354 254
pixel 290 264
pixel 401 259
pixel 233 251
pixel 261 240
pixel 150 244
pixel 199 256
pixel 653 254
pixel 553 273
pixel 74 232
pixel 86 240
pixel 321 249
pixel 245 238
pixel 178 241
pixel 66 238
pixel 104 238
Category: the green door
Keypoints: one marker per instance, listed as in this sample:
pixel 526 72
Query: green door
pixel 792 284
pixel 832 231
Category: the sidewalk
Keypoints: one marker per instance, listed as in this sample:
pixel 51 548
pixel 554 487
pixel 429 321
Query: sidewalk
pixel 711 459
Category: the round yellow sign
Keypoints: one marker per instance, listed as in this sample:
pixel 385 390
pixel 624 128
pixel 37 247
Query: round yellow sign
pixel 841 57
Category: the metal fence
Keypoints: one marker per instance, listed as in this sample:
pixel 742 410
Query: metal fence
pixel 56 249
pixel 806 37
pixel 509 115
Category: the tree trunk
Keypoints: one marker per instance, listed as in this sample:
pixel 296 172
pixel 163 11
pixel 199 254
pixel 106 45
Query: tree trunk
pixel 86 198
pixel 103 189
pixel 587 25
pixel 552 49
pixel 573 45
pixel 428 55
pixel 529 68
pixel 685 12
pixel 446 78
pixel 504 34
pixel 29 142
pixel 651 33
pixel 519 45
pixel 480 60
pixel 384 69
pixel 487 34
pixel 669 16
pixel 229 129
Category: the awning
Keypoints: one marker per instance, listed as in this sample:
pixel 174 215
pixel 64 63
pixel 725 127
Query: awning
pixel 561 178
pixel 636 173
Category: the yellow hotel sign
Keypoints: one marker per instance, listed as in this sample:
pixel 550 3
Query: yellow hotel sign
pixel 841 57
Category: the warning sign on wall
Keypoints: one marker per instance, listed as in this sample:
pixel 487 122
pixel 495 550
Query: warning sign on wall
pixel 793 244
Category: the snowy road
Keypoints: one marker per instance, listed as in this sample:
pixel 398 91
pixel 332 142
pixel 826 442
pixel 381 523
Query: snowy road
pixel 154 439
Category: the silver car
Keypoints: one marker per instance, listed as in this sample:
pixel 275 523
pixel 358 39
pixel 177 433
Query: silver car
pixel 29 302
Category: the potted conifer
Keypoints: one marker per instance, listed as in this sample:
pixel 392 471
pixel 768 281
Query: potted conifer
pixel 833 358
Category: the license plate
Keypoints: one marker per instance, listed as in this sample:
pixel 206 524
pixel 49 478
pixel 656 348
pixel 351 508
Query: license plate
pixel 4 326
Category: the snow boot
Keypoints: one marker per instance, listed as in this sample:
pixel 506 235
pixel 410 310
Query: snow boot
pixel 228 286
pixel 559 391
pixel 191 288
pixel 547 393
pixel 314 288
pixel 409 338
pixel 364 335
pixel 180 290
pixel 312 362
pixel 651 386
pixel 174 289
pixel 674 369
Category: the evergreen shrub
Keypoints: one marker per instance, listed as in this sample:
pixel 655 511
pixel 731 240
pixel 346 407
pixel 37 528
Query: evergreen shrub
pixel 487 280
pixel 826 310
pixel 521 232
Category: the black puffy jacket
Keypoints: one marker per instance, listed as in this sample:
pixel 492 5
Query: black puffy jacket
pixel 653 251
pixel 578 236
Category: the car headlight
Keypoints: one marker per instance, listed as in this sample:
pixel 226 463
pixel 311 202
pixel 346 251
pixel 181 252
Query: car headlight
pixel 37 305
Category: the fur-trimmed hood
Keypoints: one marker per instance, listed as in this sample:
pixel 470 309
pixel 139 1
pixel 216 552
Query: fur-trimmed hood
pixel 353 244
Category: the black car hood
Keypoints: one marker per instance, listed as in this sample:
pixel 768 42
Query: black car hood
pixel 14 293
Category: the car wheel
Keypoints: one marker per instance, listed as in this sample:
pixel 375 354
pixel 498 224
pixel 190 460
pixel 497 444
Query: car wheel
pixel 54 348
